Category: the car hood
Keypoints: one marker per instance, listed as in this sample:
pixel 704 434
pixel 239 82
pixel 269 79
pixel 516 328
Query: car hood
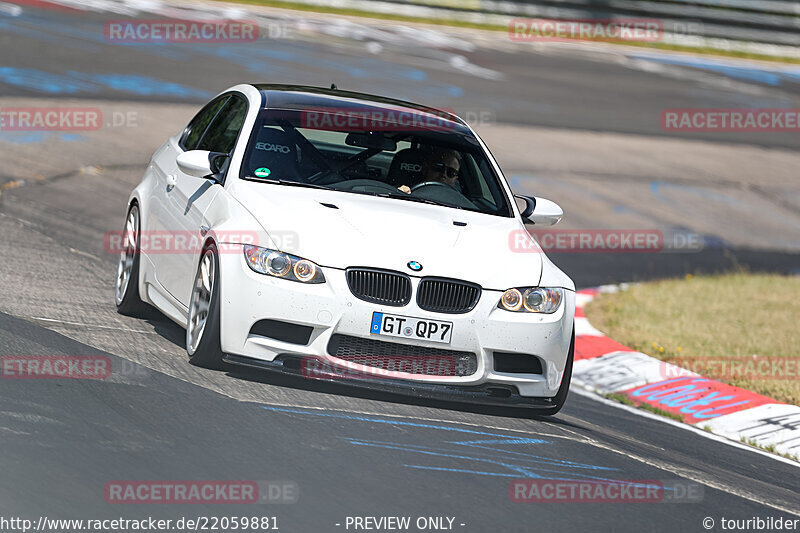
pixel 341 230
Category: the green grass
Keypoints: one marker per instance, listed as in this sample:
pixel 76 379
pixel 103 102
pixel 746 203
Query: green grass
pixel 767 448
pixel 659 411
pixel 494 27
pixel 621 398
pixel 705 323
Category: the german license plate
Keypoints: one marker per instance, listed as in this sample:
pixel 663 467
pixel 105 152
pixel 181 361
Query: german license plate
pixel 411 328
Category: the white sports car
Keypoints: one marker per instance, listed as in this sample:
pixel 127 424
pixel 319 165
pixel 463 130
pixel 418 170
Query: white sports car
pixel 340 235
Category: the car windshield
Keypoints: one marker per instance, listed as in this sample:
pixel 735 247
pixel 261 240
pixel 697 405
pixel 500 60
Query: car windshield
pixel 411 156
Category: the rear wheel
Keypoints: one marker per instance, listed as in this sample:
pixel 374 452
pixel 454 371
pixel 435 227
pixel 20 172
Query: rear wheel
pixel 202 329
pixel 126 290
pixel 561 396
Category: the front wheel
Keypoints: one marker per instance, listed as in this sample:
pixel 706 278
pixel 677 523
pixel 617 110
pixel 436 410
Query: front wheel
pixel 202 329
pixel 561 396
pixel 126 287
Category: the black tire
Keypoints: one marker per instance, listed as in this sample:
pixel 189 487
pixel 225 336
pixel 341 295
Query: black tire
pixel 206 352
pixel 561 396
pixel 127 298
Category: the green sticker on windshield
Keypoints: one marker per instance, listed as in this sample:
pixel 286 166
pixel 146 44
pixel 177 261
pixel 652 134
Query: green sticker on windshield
pixel 262 172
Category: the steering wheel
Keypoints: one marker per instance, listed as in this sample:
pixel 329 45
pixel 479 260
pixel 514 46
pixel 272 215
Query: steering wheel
pixel 426 183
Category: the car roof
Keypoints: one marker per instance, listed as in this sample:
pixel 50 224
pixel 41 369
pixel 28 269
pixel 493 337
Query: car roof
pixel 300 97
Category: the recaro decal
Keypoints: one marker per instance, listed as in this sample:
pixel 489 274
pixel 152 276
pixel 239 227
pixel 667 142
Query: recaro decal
pixel 267 147
pixel 411 167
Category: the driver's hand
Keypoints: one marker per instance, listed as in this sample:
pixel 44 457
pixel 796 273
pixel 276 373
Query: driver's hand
pixel 405 188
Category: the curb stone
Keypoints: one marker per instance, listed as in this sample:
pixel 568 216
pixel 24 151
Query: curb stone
pixel 605 366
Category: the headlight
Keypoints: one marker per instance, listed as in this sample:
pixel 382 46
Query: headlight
pixel 511 300
pixel 532 300
pixel 281 265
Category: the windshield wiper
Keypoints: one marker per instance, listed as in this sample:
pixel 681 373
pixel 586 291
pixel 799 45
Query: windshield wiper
pixel 415 199
pixel 401 196
pixel 292 183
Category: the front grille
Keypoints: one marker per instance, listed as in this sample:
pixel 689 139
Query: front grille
pixel 403 357
pixel 442 295
pixel 379 286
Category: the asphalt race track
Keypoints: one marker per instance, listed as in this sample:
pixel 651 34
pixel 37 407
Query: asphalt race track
pixel 576 124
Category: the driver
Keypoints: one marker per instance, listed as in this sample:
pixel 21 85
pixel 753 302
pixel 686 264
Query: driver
pixel 442 166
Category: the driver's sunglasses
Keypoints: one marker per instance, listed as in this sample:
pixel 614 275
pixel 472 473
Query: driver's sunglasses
pixel 451 172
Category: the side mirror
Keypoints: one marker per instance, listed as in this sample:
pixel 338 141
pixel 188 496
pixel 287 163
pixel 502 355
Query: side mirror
pixel 201 163
pixel 195 163
pixel 540 211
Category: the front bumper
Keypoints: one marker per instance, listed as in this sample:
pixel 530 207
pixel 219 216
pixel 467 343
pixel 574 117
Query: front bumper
pixel 330 308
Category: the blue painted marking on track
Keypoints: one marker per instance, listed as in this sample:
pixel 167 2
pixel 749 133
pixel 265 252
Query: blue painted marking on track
pixel 508 440
pixel 454 91
pixel 379 420
pixel 75 82
pixel 142 85
pixel 523 457
pixel 689 396
pixel 483 451
pixel 85 38
pixel 657 186
pixel 41 81
pixel 259 59
pixel 462 471
pixel 521 470
pixel 525 182
pixel 255 57
pixel 765 75
pixel 655 189
pixel 23 137
pixel 528 467
pixel 33 137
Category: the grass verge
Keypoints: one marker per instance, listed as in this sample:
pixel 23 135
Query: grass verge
pixel 738 328
pixel 621 398
pixel 768 448
pixel 493 27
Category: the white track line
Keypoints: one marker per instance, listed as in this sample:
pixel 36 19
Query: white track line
pixel 693 475
pixel 719 438
pixel 53 320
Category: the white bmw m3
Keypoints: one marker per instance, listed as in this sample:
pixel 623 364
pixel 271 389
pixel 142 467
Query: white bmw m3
pixel 341 235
